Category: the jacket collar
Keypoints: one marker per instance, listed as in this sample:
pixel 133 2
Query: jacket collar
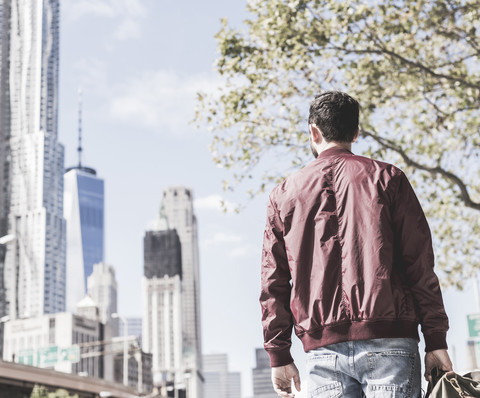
pixel 335 150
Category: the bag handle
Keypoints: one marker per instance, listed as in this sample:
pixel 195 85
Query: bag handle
pixel 452 379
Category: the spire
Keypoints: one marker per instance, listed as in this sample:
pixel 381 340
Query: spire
pixel 79 149
pixel 162 221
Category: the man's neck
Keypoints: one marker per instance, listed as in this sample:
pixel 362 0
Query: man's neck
pixel 333 144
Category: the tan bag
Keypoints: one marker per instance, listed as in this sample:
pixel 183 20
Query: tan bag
pixel 452 385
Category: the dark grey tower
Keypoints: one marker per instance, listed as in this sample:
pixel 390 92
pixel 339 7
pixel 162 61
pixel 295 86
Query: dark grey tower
pixel 162 254
pixel 162 308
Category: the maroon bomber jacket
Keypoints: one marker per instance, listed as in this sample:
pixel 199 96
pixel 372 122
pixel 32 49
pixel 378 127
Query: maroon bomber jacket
pixel 347 255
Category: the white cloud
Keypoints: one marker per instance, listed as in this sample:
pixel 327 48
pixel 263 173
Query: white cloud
pixel 222 238
pixel 238 251
pixel 128 29
pixel 76 9
pixel 214 202
pixel 160 100
pixel 92 75
pixel 128 12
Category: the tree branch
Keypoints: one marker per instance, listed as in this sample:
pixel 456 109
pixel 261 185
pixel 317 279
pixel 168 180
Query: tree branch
pixel 421 66
pixel 384 50
pixel 464 195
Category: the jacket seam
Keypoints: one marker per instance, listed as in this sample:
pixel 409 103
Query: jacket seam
pixel 346 322
pixel 344 307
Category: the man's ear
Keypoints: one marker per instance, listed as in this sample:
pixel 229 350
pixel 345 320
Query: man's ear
pixel 315 133
pixel 356 135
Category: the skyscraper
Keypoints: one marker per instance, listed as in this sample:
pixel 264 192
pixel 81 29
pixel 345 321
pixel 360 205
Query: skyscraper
pixel 4 116
pixel 4 149
pixel 262 376
pixel 102 288
pixel 177 205
pixel 219 382
pixel 35 262
pixel 134 328
pixel 84 212
pixel 162 305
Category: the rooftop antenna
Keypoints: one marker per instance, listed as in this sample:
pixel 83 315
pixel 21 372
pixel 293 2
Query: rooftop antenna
pixel 79 149
pixel 162 222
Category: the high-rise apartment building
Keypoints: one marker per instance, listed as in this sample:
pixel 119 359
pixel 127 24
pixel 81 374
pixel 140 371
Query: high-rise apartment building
pixel 4 116
pixel 234 381
pixel 134 328
pixel 4 149
pixel 162 306
pixel 262 376
pixel 177 207
pixel 219 382
pixel 102 288
pixel 171 318
pixel 35 261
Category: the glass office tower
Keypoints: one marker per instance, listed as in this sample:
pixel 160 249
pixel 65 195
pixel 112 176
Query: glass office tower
pixel 84 212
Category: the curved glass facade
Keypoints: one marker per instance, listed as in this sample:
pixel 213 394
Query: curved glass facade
pixel 84 212
pixel 91 204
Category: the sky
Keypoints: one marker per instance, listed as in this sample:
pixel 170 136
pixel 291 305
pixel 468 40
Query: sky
pixel 140 64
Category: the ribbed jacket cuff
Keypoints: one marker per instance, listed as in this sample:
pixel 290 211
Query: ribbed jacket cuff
pixel 280 357
pixel 436 341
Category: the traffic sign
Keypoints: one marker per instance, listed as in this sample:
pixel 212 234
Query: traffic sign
pixel 70 354
pixel 47 356
pixel 473 325
pixel 25 357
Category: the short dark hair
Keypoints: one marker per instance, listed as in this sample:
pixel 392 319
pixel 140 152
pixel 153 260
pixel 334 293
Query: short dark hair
pixel 336 115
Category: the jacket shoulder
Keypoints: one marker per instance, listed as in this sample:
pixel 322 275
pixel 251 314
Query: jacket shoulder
pixel 370 163
pixel 356 166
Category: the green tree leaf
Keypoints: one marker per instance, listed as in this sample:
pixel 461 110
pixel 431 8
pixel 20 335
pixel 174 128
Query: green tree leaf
pixel 414 67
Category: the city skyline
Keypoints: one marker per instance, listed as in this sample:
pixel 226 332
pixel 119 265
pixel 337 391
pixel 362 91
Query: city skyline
pixel 140 156
pixel 141 139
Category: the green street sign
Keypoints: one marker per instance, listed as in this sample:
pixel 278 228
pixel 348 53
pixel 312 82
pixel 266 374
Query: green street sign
pixel 473 325
pixel 25 357
pixel 70 354
pixel 47 357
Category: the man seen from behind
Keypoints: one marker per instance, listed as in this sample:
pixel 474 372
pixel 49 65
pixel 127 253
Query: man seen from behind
pixel 348 263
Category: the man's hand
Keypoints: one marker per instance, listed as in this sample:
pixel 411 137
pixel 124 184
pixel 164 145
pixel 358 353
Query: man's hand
pixel 282 380
pixel 439 359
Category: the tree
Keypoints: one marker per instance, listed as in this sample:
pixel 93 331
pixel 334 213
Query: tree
pixel 414 66
pixel 39 392
pixel 42 392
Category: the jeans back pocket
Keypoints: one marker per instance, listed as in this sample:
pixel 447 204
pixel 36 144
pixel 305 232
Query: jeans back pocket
pixel 324 378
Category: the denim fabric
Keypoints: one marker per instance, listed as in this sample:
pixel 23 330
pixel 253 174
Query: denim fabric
pixel 376 368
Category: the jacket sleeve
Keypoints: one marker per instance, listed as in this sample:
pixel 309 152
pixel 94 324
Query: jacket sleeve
pixel 275 292
pixel 414 247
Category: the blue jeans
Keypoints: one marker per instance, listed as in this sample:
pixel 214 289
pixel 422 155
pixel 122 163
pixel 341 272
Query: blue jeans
pixel 377 368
